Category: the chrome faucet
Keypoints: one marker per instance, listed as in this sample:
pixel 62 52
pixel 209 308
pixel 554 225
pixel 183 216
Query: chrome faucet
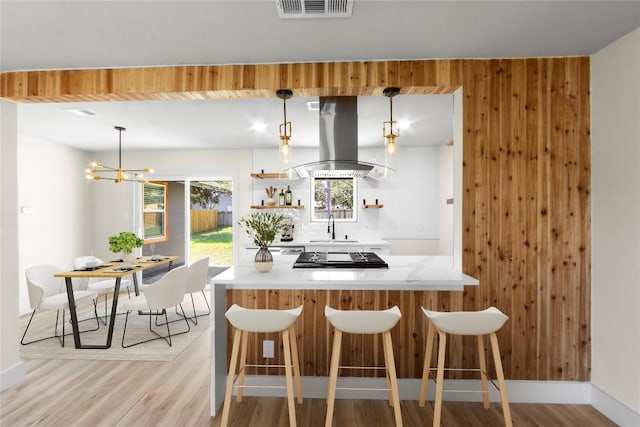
pixel 331 226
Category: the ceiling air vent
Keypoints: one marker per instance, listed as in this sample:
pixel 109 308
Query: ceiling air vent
pixel 314 8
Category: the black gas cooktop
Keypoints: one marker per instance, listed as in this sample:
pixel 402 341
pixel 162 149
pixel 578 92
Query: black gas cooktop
pixel 339 260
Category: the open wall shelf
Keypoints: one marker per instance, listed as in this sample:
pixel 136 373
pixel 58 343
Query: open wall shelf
pixel 274 175
pixel 277 207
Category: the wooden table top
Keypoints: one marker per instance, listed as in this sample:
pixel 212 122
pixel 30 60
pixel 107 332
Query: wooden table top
pixel 111 268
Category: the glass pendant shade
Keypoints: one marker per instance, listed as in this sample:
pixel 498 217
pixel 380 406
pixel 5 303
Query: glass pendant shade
pixel 285 147
pixel 285 130
pixel 390 146
pixel 391 133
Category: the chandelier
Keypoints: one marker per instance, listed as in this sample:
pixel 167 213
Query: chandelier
pixel 98 171
pixel 285 132
pixel 391 132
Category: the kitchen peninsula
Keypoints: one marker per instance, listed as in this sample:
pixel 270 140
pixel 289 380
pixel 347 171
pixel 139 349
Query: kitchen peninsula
pixel 408 282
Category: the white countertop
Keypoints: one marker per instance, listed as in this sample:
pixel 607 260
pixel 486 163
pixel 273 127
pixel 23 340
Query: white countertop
pixel 404 273
pixel 329 242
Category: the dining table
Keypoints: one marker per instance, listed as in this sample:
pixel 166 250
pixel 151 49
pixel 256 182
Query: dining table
pixel 109 270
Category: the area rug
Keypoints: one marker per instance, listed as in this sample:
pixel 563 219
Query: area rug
pixel 137 330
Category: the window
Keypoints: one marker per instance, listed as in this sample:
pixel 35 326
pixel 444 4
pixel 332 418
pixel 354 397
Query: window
pixel 333 196
pixel 154 212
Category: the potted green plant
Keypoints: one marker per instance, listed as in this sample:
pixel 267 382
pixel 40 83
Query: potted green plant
pixel 125 242
pixel 263 227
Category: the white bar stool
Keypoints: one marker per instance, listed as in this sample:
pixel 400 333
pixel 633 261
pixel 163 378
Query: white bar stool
pixel 478 323
pixel 363 322
pixel 246 320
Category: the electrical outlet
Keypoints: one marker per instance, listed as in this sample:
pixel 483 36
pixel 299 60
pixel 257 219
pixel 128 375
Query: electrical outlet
pixel 267 349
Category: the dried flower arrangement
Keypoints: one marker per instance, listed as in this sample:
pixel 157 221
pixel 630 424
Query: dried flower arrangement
pixel 271 191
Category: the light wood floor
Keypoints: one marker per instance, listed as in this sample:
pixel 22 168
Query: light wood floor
pixel 112 393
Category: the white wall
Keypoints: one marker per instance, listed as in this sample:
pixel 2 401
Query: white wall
pixel 410 213
pixel 56 220
pixel 445 192
pixel 615 296
pixel 11 368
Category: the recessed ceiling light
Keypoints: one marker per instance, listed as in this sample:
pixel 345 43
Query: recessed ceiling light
pixel 80 111
pixel 313 105
pixel 259 126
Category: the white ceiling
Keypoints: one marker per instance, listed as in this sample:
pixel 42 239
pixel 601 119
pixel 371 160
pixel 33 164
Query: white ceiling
pixel 226 124
pixel 95 34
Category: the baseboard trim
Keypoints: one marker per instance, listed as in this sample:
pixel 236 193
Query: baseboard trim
pixel 12 376
pixel 519 391
pixel 613 409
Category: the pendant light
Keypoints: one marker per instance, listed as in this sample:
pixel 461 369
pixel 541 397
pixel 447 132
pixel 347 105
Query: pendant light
pixel 285 133
pixel 391 132
pixel 98 171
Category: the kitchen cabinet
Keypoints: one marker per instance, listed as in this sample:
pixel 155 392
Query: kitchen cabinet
pixel 379 247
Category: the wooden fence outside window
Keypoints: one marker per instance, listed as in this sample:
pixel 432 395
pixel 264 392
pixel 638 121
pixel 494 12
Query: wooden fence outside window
pixel 203 220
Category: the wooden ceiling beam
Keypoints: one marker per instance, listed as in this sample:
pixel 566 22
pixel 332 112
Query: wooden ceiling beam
pixel 229 81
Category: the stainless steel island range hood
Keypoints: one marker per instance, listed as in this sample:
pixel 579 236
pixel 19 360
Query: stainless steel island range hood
pixel 338 157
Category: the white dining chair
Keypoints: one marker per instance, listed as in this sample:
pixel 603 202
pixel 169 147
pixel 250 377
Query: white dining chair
pixel 196 282
pixel 104 287
pixel 166 292
pixel 49 293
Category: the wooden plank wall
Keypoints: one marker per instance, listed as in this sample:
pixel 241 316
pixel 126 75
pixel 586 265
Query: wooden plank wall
pixel 526 204
pixel 315 334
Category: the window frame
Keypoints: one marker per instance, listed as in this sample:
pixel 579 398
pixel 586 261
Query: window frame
pixel 165 213
pixel 354 210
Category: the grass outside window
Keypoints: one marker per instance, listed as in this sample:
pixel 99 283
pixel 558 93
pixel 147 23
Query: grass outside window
pixel 216 243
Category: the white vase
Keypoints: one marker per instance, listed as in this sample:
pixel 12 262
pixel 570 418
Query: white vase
pixel 129 257
pixel 263 260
